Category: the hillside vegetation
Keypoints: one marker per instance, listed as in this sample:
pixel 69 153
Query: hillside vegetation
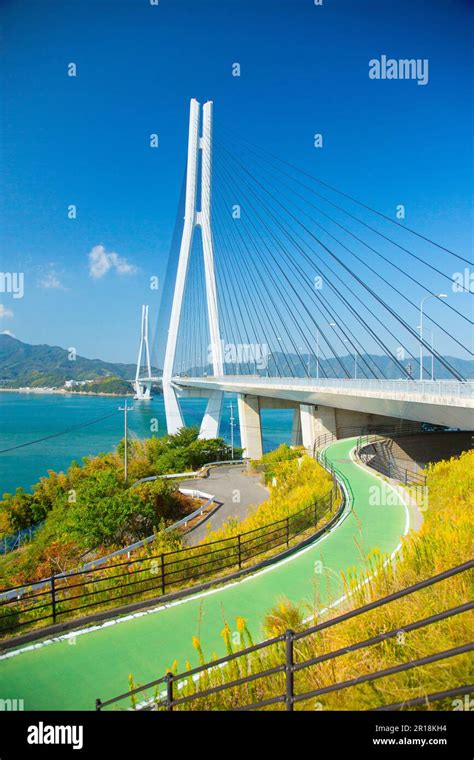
pixel 22 364
pixel 300 498
pixel 90 508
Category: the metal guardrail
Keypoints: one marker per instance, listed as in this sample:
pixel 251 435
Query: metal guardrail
pixel 192 474
pixel 390 468
pixel 371 434
pixel 14 543
pixel 443 388
pixel 167 687
pixel 389 431
pixel 22 537
pixel 99 561
pixel 137 579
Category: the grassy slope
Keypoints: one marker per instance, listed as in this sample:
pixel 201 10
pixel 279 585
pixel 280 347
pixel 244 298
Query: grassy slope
pixel 444 541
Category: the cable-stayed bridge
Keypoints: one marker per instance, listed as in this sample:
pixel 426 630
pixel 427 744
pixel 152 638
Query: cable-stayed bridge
pixel 294 294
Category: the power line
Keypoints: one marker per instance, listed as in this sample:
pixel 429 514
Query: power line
pixel 62 432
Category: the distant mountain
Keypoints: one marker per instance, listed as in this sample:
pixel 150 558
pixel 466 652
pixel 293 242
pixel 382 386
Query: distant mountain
pixel 22 364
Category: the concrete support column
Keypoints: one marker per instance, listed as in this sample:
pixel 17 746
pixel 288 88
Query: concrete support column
pixel 308 425
pixel 250 426
pixel 212 417
pixel 296 433
pixel 324 421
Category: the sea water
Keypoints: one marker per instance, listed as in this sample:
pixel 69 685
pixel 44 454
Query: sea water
pixel 26 417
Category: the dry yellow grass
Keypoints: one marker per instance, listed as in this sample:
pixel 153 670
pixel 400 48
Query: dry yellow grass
pixel 445 540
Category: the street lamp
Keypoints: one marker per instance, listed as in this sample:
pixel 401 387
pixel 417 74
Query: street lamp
pixel 432 295
pixel 125 409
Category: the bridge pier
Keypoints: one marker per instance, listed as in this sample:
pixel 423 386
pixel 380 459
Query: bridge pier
pixel 142 390
pixel 212 416
pixel 311 421
pixel 250 425
pixel 296 432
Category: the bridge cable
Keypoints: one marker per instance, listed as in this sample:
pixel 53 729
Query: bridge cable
pixel 354 200
pixel 364 285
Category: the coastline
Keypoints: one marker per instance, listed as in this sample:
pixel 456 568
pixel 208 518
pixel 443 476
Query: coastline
pixel 62 392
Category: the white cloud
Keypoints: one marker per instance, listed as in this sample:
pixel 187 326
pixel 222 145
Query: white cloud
pixel 8 332
pixel 5 313
pixel 100 262
pixel 51 281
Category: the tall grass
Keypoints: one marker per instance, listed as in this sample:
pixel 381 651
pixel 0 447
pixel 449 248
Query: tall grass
pixel 444 540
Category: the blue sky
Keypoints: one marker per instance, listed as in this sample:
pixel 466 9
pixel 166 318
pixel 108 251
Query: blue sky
pixel 304 69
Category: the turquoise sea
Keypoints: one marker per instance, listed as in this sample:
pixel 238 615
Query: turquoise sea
pixel 26 417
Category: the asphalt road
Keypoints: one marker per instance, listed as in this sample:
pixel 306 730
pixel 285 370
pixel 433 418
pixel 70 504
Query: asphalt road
pixel 237 491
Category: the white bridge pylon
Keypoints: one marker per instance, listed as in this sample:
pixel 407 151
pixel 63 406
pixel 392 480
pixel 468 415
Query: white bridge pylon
pixel 199 150
pixel 142 385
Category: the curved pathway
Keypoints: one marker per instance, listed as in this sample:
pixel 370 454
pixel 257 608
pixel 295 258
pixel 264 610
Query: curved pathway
pixel 71 671
pixel 237 490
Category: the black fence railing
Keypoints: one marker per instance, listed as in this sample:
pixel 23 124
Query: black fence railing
pixel 60 598
pixel 287 691
pixel 391 467
pixel 388 431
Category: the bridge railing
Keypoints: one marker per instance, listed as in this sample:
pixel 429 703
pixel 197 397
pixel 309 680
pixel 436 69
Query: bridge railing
pixel 371 434
pixel 99 588
pixel 392 468
pixel 443 388
pixel 249 667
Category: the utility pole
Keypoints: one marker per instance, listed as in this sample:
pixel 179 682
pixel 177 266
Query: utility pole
pixel 232 429
pixel 125 409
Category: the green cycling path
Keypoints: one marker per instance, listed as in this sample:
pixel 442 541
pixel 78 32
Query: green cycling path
pixel 71 671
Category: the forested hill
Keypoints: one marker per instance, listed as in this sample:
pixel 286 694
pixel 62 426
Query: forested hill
pixel 22 364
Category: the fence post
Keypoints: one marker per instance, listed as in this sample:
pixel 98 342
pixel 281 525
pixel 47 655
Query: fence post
pixel 240 551
pixel 330 501
pixel 162 574
pixel 287 531
pixel 98 703
pixel 169 691
pixel 315 513
pixel 289 669
pixel 53 598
